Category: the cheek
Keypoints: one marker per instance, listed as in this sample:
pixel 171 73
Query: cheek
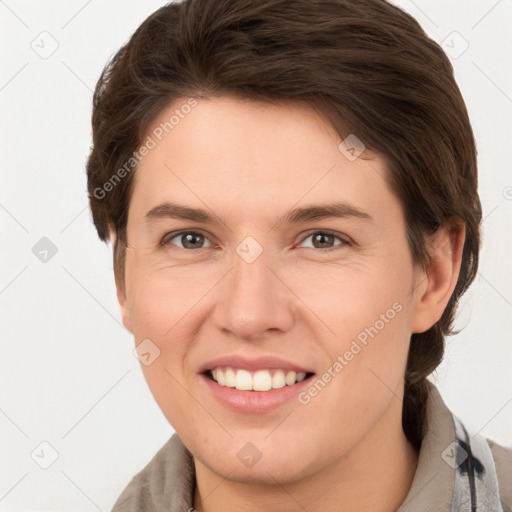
pixel 355 301
pixel 363 328
pixel 159 310
pixel 161 301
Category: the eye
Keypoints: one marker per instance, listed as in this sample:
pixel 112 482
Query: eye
pixel 325 240
pixel 187 240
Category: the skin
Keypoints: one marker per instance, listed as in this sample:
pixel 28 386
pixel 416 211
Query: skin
pixel 248 163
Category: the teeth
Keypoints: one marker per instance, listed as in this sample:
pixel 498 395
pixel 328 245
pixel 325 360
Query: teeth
pixel 262 380
pixel 243 380
pixel 279 379
pixel 300 376
pixel 229 377
pixel 220 377
pixel 290 378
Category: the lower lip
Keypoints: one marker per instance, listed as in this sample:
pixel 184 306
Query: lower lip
pixel 254 401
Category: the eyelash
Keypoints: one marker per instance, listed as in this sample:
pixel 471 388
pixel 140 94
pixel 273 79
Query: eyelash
pixel 344 240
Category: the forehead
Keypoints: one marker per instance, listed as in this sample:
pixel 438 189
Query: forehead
pixel 250 159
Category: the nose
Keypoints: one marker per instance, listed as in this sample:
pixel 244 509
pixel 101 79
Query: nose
pixel 253 301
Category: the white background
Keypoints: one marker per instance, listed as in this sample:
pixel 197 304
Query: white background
pixel 68 373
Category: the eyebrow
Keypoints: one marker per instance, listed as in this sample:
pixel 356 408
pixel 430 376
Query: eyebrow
pixel 170 210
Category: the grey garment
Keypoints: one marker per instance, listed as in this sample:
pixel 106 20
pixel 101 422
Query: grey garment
pixel 456 473
pixel 445 476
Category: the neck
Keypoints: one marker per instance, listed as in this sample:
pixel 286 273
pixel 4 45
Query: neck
pixel 375 475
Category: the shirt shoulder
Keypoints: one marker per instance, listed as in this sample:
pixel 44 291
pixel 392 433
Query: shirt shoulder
pixel 503 461
pixel 166 483
pixel 457 470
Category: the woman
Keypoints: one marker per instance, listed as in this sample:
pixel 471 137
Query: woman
pixel 291 190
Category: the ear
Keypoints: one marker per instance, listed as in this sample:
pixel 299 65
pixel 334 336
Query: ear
pixel 435 284
pixel 121 289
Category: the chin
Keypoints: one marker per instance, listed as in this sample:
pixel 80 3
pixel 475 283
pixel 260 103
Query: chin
pixel 262 473
pixel 250 465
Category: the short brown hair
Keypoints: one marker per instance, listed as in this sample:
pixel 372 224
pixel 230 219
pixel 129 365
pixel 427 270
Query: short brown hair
pixel 366 65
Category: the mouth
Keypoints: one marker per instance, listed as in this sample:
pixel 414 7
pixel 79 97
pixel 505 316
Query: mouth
pixel 261 380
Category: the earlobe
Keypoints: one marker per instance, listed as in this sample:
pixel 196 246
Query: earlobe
pixel 436 284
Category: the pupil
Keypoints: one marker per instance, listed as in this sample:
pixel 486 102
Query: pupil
pixel 321 238
pixel 189 240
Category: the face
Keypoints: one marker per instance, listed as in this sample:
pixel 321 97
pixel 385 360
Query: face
pixel 269 280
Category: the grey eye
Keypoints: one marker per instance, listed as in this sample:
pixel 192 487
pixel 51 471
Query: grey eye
pixel 323 240
pixel 188 240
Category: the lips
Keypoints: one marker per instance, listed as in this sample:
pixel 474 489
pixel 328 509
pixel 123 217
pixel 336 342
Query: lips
pixel 243 382
pixel 251 401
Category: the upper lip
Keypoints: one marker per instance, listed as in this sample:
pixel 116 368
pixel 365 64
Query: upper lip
pixel 252 363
